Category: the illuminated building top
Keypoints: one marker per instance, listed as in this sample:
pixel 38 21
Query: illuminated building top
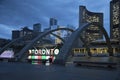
pixel 115 19
pixel 115 13
pixel 92 32
pixel 87 16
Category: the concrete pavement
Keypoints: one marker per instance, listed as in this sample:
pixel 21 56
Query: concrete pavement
pixel 25 71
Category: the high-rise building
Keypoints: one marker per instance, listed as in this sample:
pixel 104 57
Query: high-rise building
pixel 47 36
pixel 115 19
pixel 53 22
pixel 27 34
pixel 37 27
pixel 53 25
pixel 92 32
pixel 15 34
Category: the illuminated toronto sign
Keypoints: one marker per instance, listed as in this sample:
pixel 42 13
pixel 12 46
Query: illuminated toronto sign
pixel 44 51
pixel 43 54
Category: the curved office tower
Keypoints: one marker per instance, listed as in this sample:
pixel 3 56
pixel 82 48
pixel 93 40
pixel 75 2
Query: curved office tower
pixel 115 19
pixel 92 32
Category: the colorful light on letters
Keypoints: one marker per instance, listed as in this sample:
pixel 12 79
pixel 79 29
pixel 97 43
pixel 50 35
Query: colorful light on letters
pixel 43 54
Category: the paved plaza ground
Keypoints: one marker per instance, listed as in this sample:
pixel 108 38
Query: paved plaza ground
pixel 26 71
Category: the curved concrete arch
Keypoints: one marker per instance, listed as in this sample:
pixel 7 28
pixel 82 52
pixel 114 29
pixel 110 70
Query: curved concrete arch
pixel 25 49
pixel 68 45
pixel 9 44
pixel 86 46
pixel 45 40
pixel 55 36
pixel 58 37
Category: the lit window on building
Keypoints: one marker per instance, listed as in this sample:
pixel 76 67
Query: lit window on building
pixel 116 13
pixel 92 18
pixel 89 17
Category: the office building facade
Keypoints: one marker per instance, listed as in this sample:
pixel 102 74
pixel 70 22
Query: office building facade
pixel 53 22
pixel 37 27
pixel 92 32
pixel 115 19
pixel 15 34
pixel 27 34
pixel 53 25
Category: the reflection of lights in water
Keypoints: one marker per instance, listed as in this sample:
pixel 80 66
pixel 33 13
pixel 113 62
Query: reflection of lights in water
pixel 41 57
pixel 47 63
pixel 36 62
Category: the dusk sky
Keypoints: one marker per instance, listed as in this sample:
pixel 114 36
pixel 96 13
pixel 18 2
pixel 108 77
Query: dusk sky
pixel 15 14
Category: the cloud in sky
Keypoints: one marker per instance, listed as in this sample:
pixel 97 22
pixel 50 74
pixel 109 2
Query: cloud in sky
pixel 15 14
pixel 5 31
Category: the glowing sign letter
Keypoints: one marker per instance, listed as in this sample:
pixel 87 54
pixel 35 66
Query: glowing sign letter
pixel 56 51
pixel 43 51
pixel 36 51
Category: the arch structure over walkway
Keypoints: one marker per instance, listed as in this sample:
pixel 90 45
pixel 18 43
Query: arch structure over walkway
pixel 30 45
pixel 18 39
pixel 58 37
pixel 9 44
pixel 68 45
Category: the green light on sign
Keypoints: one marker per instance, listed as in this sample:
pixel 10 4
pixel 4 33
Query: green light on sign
pixel 43 57
pixel 33 57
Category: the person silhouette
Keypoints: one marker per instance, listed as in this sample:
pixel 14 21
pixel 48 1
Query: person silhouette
pixel 50 60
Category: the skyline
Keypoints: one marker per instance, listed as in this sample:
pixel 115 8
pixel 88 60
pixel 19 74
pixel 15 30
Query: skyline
pixel 16 14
